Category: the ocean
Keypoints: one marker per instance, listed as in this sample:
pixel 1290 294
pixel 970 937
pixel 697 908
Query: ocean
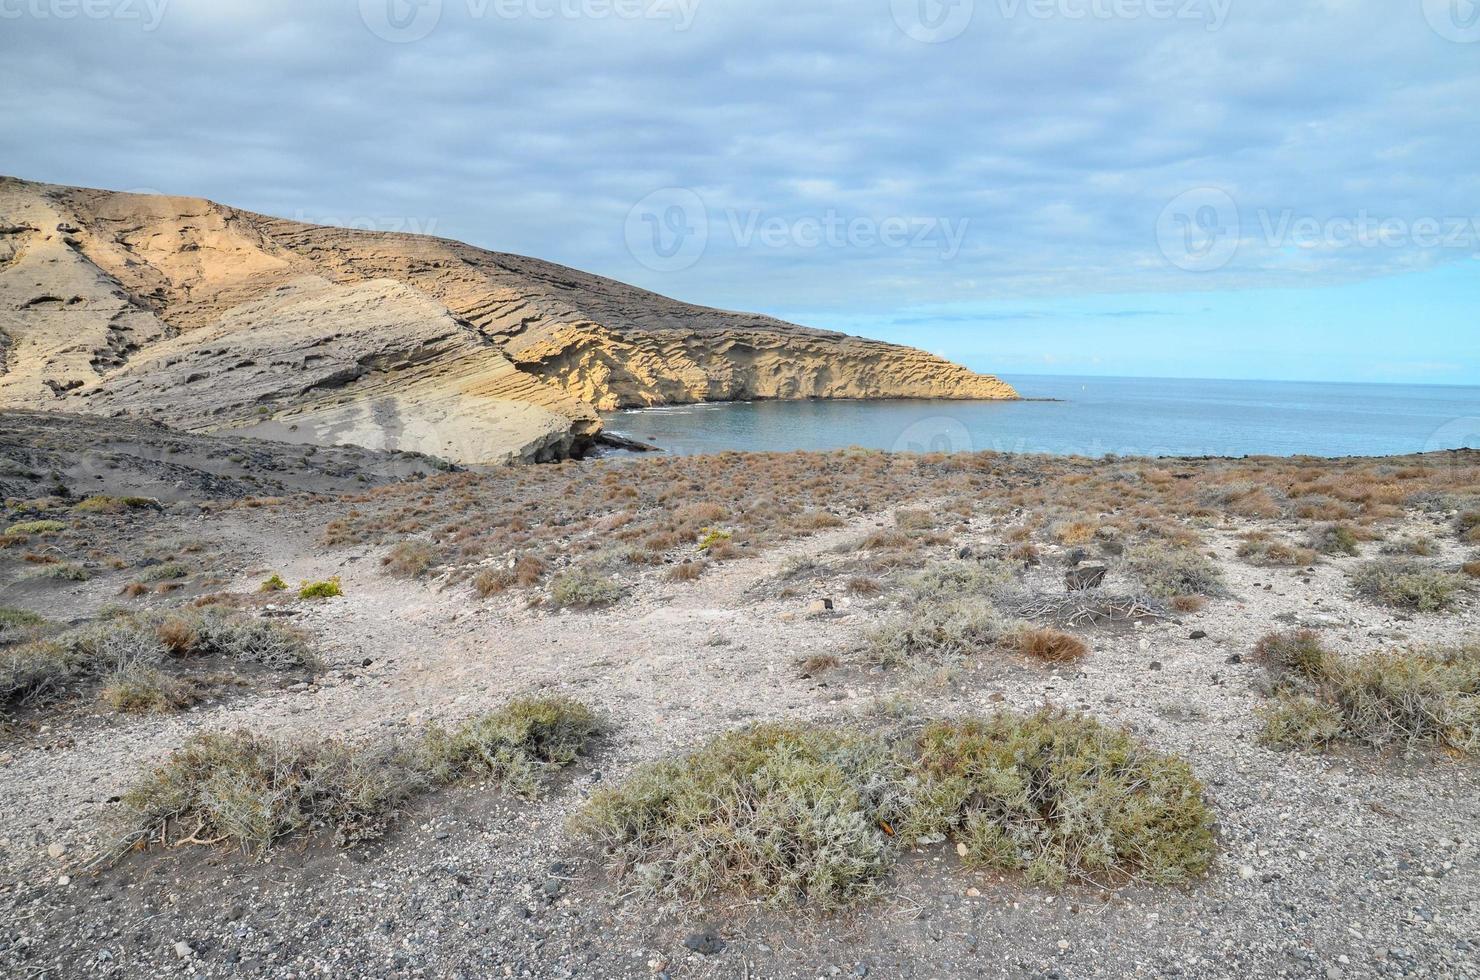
pixel 1091 416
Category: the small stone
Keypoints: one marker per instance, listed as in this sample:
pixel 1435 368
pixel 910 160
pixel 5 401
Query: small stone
pixel 1198 635
pixel 962 849
pixel 1085 577
pixel 184 951
pixel 705 942
pixel 818 607
pixel 1154 665
pixel 55 850
pixel 1246 871
pixel 552 888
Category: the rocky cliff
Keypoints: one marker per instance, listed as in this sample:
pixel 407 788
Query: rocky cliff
pixel 210 318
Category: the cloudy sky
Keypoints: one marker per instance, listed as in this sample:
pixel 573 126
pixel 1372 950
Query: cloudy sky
pixel 1207 188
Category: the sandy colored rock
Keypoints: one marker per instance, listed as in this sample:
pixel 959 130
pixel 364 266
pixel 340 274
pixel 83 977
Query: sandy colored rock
pixel 210 318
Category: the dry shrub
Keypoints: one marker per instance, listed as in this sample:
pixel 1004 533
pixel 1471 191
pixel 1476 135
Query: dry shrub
pixel 149 691
pixel 513 745
pixel 250 791
pixel 819 663
pixel 791 814
pixel 688 571
pixel 1167 571
pixel 1336 539
pixel 1299 652
pixel 1408 584
pixel 1073 532
pixel 914 520
pixel 937 629
pixel 1025 551
pixel 1060 797
pixel 1189 603
pixel 492 581
pixel 178 636
pixel 529 570
pixel 816 520
pixel 1404 698
pixel 1050 645
pixel 584 587
pixel 1421 546
pixel 864 586
pixel 409 559
pixel 1261 548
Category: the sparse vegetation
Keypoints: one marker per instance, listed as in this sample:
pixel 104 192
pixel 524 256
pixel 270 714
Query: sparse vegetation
pixel 274 583
pixel 321 590
pixel 126 651
pixel 1049 645
pixel 1406 699
pixel 164 572
pixel 1408 584
pixel 816 816
pixel 1336 539
pixel 18 623
pixel 36 527
pixel 686 571
pixel 1421 545
pixel 584 588
pixel 937 629
pixel 1262 548
pixel 1167 571
pixel 102 504
pixel 1060 797
pixel 409 559
pixel 65 571
pixel 514 745
pixel 250 791
pixel 791 814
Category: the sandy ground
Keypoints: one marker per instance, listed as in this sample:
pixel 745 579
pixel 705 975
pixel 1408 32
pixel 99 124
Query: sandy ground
pixel 1334 865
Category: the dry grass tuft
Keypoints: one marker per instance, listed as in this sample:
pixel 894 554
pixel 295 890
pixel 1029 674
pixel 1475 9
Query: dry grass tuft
pixel 1050 645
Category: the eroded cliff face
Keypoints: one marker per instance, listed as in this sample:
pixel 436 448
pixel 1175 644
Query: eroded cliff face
pixel 207 317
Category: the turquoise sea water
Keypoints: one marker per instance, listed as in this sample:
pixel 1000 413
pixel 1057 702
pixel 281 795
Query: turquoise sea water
pixel 1093 416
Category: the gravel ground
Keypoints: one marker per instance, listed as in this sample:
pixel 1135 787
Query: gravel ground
pixel 1338 865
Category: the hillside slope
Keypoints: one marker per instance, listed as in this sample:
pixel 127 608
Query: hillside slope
pixel 208 318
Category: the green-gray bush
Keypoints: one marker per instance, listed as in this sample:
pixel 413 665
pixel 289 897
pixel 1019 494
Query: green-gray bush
pixel 795 815
pixel 1167 571
pixel 1408 584
pixel 1061 796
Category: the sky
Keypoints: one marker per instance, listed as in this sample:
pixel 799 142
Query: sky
pixel 1193 188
